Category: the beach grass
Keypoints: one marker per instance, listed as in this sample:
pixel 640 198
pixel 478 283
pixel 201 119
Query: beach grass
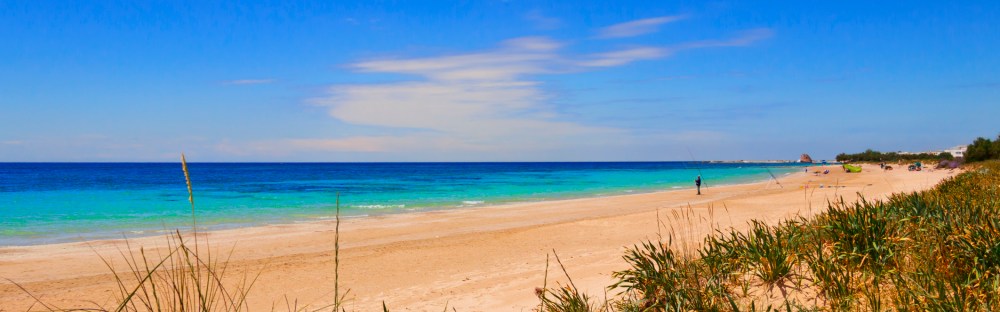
pixel 936 250
pixel 565 298
pixel 177 279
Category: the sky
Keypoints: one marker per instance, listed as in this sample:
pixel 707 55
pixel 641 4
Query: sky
pixel 382 81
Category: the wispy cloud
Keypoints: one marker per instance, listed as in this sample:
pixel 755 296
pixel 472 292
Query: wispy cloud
pixel 483 102
pixel 629 55
pixel 622 57
pixel 11 142
pixel 541 21
pixel 745 38
pixel 515 57
pixel 476 101
pixel 637 27
pixel 249 81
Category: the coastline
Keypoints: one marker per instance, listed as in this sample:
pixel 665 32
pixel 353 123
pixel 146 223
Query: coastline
pixel 476 258
pixel 209 219
pixel 319 221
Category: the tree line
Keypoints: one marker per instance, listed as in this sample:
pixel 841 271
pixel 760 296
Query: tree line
pixel 983 149
pixel 876 156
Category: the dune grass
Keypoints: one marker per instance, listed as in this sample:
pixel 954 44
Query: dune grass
pixel 936 250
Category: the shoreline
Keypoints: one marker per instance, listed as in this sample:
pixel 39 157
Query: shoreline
pixel 476 258
pixel 159 232
pixel 319 220
pixel 324 221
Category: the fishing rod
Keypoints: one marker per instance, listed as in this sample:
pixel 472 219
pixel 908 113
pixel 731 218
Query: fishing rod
pixel 775 178
pixel 696 167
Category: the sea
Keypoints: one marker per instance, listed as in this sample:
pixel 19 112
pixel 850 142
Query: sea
pixel 44 203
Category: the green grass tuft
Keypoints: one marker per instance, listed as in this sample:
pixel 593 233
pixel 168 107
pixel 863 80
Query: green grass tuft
pixel 936 250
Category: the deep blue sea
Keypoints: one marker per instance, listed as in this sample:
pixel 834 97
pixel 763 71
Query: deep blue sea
pixel 62 202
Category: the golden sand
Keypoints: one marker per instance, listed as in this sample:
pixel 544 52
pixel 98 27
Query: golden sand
pixel 477 259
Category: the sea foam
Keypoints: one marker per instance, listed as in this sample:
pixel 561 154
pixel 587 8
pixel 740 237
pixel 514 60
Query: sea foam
pixel 401 206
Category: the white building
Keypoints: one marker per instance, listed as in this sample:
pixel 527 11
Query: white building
pixel 957 151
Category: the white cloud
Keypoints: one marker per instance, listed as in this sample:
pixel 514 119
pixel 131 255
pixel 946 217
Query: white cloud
pixel 475 101
pixel 541 21
pixel 744 39
pixel 629 55
pixel 637 27
pixel 441 106
pixel 622 57
pixel 457 115
pixel 483 102
pixel 516 57
pixel 249 81
pixel 11 142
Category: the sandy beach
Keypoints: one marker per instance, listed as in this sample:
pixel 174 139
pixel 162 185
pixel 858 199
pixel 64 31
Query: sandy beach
pixel 476 259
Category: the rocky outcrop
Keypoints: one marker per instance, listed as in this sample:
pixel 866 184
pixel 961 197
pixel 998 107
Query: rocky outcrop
pixel 805 158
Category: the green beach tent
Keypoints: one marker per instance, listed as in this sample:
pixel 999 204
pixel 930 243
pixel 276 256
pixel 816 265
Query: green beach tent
pixel 852 168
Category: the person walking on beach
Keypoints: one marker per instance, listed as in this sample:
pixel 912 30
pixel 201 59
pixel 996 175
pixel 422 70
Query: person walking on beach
pixel 697 183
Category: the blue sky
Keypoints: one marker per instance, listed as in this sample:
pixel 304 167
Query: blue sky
pixel 492 80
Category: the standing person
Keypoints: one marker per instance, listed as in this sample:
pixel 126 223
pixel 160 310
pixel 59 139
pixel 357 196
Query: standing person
pixel 697 183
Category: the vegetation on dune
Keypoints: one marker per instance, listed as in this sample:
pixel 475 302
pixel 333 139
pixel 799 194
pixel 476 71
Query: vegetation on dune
pixel 936 250
pixel 983 149
pixel 876 156
pixel 980 150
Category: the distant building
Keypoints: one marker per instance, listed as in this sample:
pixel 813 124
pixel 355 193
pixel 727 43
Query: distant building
pixel 957 151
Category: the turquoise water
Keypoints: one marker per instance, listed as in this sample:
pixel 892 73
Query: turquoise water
pixel 62 202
